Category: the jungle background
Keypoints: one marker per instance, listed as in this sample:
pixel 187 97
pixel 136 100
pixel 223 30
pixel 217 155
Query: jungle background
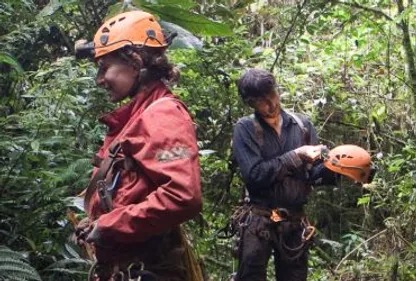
pixel 348 64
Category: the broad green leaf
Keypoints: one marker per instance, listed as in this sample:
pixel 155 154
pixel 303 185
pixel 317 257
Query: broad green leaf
pixel 114 10
pixel 176 13
pixel 381 110
pixel 363 200
pixel 186 4
pixel 193 22
pixel 185 39
pixel 10 60
pixel 50 9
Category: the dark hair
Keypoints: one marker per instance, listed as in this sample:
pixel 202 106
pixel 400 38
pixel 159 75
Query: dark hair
pixel 157 64
pixel 255 83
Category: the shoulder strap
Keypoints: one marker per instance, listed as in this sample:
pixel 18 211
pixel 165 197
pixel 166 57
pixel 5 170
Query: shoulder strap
pixel 305 131
pixel 100 175
pixel 258 129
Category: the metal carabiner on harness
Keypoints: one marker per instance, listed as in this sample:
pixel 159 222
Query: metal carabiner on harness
pixel 247 219
pixel 105 192
pixel 308 229
pixel 105 196
pixel 131 267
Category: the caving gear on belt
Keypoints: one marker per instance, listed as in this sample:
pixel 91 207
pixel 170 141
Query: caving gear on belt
pixel 132 272
pixel 281 222
pixel 164 257
pixel 284 221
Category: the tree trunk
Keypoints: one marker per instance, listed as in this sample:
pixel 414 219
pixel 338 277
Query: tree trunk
pixel 407 45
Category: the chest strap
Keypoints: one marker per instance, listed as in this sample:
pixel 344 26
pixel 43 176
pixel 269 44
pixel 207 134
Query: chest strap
pixel 105 166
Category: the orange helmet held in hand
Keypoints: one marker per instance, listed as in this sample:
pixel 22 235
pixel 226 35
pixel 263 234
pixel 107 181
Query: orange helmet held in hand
pixel 351 161
pixel 134 28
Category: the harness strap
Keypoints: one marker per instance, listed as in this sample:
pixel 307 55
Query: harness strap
pixel 257 129
pixel 305 131
pixel 127 163
pixel 100 175
pixel 108 165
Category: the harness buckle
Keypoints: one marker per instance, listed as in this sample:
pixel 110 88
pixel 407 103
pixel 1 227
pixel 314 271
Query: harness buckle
pixel 278 215
pixel 113 150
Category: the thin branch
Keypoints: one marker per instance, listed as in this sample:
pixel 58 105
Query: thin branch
pixel 94 13
pixel 368 9
pixel 359 246
pixel 323 125
pixel 292 26
pixel 67 41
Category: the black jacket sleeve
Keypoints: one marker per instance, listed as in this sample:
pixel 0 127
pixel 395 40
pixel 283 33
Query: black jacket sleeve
pixel 319 174
pixel 255 170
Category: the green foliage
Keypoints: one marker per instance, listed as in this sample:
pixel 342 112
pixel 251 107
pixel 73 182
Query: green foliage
pixel 342 63
pixel 13 266
pixel 8 59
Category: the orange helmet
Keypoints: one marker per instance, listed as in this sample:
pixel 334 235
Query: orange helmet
pixel 136 28
pixel 351 161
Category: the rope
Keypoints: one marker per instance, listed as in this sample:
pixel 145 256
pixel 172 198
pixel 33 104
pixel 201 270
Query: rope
pixel 194 271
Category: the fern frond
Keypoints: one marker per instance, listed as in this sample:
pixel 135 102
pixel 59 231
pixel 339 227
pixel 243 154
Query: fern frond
pixel 14 267
pixel 62 263
pixel 6 253
pixel 68 271
pixel 76 170
pixel 8 270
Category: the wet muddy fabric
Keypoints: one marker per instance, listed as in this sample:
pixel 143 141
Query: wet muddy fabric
pixel 256 247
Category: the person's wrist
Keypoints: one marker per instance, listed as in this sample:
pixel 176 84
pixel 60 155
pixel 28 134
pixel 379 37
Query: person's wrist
pixel 301 154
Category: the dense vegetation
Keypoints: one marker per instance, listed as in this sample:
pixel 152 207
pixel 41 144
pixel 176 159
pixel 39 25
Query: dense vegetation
pixel 348 64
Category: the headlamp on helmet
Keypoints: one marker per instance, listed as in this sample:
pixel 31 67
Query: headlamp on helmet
pixel 134 28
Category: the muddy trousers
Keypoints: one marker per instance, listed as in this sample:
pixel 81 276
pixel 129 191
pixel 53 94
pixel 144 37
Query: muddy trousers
pixel 256 248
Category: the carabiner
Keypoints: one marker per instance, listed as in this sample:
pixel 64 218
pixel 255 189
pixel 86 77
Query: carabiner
pixel 129 269
pixel 308 232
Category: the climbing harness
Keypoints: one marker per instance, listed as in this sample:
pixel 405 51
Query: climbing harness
pixel 133 272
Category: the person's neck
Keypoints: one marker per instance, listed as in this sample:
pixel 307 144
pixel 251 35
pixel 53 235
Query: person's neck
pixel 275 122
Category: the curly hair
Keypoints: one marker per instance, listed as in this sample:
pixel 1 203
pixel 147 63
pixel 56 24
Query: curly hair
pixel 155 62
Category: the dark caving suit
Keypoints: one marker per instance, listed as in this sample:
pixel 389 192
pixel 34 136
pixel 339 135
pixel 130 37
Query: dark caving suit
pixel 276 178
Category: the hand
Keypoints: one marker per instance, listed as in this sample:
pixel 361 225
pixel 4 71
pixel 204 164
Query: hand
pixel 93 234
pixel 310 153
pixel 82 230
